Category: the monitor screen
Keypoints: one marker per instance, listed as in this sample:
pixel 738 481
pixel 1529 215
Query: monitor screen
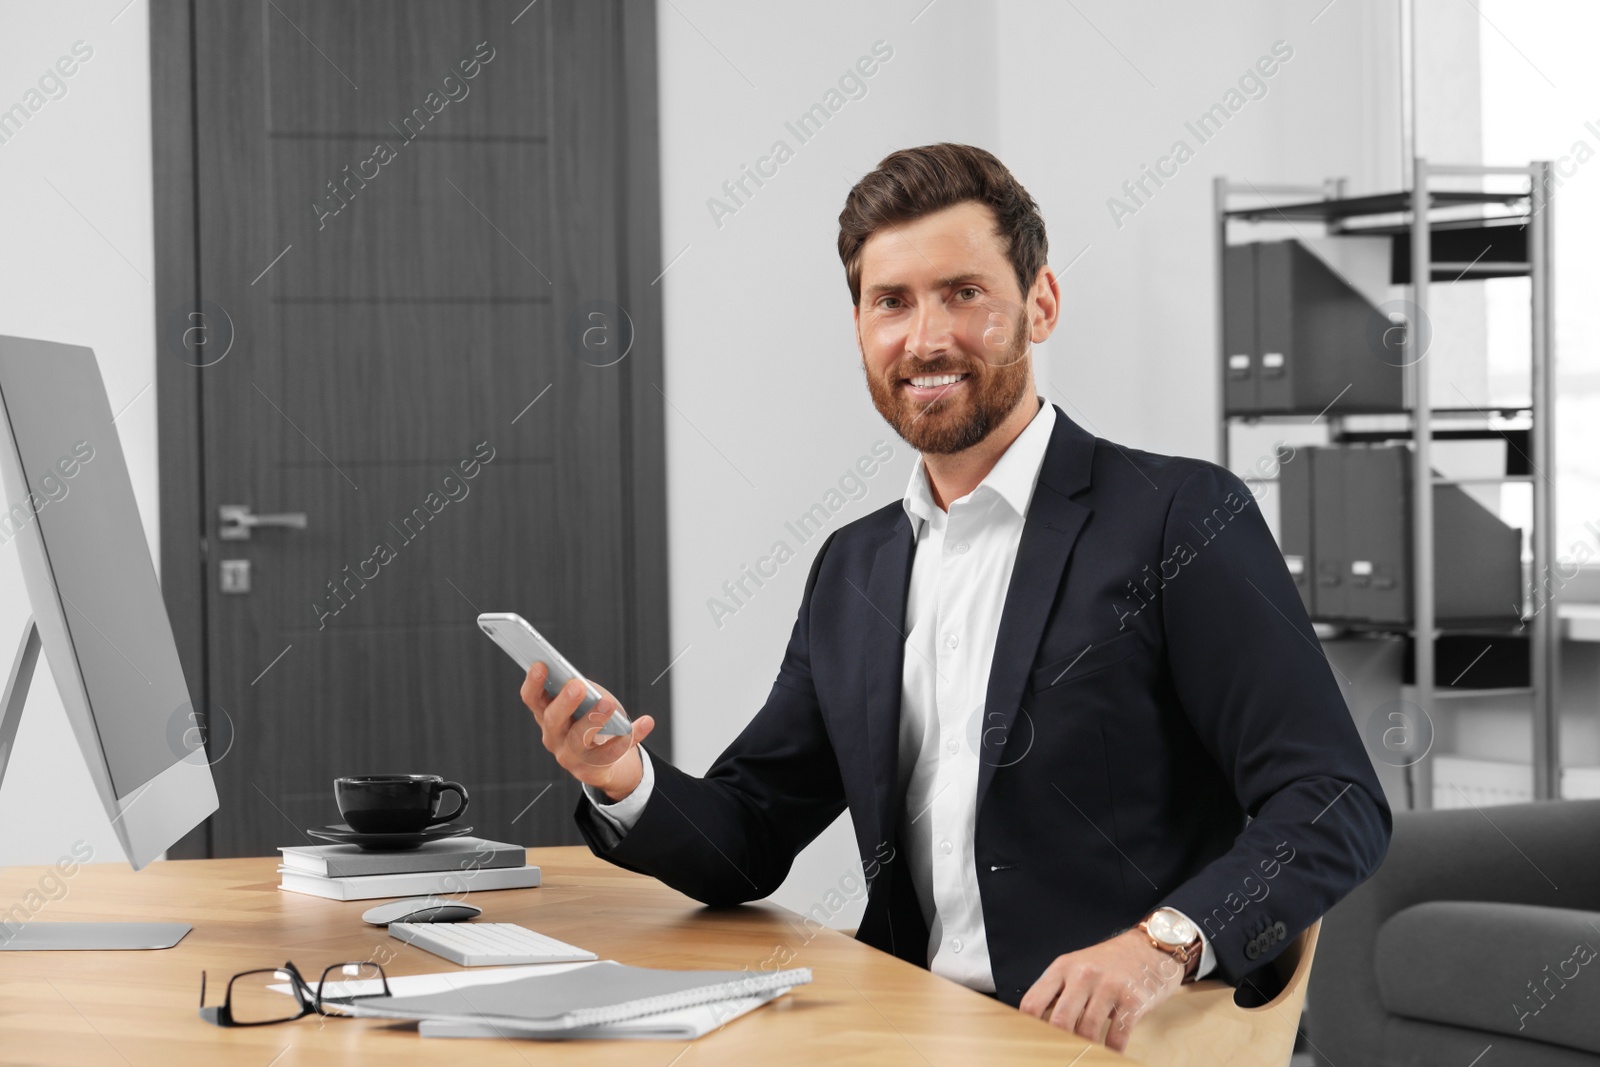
pixel 77 495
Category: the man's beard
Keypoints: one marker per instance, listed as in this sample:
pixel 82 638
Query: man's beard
pixel 953 423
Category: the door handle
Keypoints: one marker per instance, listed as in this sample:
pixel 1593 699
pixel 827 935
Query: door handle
pixel 237 520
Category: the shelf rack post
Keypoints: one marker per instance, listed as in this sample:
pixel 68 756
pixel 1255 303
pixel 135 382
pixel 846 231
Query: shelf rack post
pixel 1419 778
pixel 1219 198
pixel 1546 637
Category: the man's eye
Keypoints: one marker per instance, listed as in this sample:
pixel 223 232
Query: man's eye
pixel 968 289
pixel 887 301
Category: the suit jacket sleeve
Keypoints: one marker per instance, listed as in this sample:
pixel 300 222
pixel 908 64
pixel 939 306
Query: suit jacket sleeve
pixel 1254 681
pixel 732 835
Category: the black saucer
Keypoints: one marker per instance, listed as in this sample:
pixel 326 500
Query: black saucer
pixel 342 834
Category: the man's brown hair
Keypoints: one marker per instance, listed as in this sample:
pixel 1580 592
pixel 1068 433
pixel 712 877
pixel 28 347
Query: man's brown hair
pixel 914 182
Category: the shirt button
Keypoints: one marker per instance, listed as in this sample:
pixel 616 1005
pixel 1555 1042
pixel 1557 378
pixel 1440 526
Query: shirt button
pixel 951 640
pixel 955 944
pixel 950 746
pixel 946 847
pixel 962 546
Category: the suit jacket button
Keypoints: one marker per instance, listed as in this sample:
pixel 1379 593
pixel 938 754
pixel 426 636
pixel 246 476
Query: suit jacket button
pixel 1282 931
pixel 1251 950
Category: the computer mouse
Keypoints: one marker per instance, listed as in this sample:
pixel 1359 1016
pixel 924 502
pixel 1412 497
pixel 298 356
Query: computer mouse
pixel 421 910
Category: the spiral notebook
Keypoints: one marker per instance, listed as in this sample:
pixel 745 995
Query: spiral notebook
pixel 580 999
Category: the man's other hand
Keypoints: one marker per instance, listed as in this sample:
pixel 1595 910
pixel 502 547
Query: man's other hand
pixel 1100 992
pixel 610 764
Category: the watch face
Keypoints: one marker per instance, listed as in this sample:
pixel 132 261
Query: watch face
pixel 1170 928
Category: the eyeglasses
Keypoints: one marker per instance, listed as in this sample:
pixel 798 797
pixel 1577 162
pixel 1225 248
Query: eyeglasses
pixel 250 999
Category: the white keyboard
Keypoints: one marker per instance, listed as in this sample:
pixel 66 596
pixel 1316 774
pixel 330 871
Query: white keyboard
pixel 487 944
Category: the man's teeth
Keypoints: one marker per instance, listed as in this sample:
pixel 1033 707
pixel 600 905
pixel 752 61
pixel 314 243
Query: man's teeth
pixel 933 381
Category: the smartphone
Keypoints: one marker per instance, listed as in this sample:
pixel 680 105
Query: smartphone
pixel 528 646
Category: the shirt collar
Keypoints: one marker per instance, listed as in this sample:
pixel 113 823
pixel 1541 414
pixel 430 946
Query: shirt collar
pixel 1012 478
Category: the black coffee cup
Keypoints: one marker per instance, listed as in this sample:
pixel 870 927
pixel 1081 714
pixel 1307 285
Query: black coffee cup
pixel 395 803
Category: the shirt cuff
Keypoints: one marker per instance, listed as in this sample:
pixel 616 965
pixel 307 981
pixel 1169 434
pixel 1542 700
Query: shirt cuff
pixel 625 812
pixel 1208 958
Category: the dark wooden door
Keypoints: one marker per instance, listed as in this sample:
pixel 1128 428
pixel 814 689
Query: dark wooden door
pixel 416 232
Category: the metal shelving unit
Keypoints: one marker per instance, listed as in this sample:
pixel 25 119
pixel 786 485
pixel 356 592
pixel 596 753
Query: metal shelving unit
pixel 1429 218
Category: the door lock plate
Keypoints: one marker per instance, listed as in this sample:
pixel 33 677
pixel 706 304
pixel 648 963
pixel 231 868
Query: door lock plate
pixel 235 577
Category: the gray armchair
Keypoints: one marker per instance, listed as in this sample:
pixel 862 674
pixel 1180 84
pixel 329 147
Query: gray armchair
pixel 1482 928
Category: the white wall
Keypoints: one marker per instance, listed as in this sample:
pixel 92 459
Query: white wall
pixel 75 267
pixel 1087 99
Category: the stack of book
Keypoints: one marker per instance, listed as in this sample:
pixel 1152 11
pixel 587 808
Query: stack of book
pixel 436 868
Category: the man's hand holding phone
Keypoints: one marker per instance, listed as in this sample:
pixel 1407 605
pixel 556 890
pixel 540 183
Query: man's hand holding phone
pixel 610 764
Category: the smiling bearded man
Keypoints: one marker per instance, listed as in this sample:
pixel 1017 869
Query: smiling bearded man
pixel 1057 802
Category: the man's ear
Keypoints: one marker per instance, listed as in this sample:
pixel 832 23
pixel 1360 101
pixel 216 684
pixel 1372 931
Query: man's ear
pixel 1044 305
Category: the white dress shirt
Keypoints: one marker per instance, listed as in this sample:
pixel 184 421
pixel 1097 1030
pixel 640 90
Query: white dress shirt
pixel 960 572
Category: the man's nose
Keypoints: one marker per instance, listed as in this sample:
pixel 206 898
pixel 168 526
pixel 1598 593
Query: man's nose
pixel 932 330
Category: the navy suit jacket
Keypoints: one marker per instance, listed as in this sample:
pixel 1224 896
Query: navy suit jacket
pixel 1161 729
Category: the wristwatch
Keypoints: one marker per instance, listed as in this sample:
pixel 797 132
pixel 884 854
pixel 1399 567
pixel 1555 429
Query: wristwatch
pixel 1172 933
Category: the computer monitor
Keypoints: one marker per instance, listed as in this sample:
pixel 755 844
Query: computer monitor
pixel 98 613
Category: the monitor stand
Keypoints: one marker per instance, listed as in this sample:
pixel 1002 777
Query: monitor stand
pixel 32 936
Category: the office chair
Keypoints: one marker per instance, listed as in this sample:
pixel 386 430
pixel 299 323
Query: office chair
pixel 1202 1025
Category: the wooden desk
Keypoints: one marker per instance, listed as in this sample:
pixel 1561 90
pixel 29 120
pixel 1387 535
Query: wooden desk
pixel 138 1008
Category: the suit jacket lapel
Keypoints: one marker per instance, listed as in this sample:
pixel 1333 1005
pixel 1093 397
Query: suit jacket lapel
pixel 885 615
pixel 1049 531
